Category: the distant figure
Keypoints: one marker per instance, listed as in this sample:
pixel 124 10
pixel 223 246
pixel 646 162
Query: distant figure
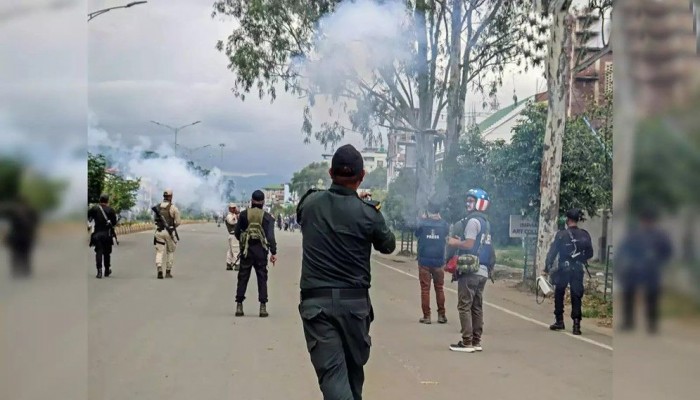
pixel 231 222
pixel 23 221
pixel 432 236
pixel 642 257
pixel 164 238
pixel 105 219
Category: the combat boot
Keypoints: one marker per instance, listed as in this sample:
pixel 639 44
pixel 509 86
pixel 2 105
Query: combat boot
pixel 167 274
pixel 558 325
pixel 239 309
pixel 160 274
pixel 263 310
pixel 99 274
pixel 442 319
pixel 229 267
pixel 577 327
pixel 108 271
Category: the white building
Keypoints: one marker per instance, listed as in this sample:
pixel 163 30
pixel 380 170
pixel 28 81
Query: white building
pixel 373 158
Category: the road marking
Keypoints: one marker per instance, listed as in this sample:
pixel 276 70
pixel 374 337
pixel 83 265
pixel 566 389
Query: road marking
pixel 511 312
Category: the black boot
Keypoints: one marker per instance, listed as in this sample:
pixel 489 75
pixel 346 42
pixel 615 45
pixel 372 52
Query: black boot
pixel 99 274
pixel 263 310
pixel 160 274
pixel 577 327
pixel 239 309
pixel 229 267
pixel 558 325
pixel 108 271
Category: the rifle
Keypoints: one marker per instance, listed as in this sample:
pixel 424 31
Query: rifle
pixel 162 224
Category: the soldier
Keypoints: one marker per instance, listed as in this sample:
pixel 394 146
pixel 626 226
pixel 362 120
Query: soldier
pixel 339 230
pixel 104 219
pixel 574 248
pixel 163 239
pixel 231 221
pixel 256 234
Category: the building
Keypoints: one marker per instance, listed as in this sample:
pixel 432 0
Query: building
pixel 373 158
pixel 274 194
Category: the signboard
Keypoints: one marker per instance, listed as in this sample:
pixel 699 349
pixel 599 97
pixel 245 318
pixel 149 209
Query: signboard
pixel 521 227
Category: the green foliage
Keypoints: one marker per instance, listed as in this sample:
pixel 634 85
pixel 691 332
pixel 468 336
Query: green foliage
pixel 96 177
pixel 122 192
pixel 375 179
pixel 309 176
pixel 399 207
pixel 38 191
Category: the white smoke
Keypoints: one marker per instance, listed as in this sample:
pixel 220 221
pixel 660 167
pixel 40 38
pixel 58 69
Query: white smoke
pixel 161 172
pixel 355 41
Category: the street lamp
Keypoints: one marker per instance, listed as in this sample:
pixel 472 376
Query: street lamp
pixel 100 12
pixel 222 152
pixel 176 130
pixel 198 148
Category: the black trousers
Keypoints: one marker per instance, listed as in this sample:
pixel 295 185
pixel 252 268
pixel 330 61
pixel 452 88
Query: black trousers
pixel 336 330
pixel 256 260
pixel 572 277
pixel 650 285
pixel 103 250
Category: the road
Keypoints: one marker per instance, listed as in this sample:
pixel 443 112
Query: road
pixel 178 338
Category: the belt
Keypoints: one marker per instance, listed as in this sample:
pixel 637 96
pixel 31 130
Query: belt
pixel 354 293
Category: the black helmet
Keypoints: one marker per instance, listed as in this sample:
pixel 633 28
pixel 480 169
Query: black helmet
pixel 575 214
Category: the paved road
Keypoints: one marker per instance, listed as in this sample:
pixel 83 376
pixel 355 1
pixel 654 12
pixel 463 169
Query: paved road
pixel 178 338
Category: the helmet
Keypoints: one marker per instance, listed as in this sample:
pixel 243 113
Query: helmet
pixel 482 199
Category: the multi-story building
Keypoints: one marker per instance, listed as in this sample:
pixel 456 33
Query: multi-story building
pixel 274 194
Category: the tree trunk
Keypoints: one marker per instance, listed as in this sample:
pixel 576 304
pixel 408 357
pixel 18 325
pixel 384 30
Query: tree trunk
pixel 558 70
pixel 454 83
pixel 425 152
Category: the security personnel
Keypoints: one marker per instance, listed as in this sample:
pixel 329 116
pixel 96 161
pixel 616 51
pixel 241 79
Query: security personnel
pixel 339 230
pixel 105 219
pixel 574 248
pixel 165 243
pixel 231 220
pixel 255 232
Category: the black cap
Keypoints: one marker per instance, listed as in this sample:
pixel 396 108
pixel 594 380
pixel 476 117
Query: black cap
pixel 104 198
pixel 574 214
pixel 347 161
pixel 258 195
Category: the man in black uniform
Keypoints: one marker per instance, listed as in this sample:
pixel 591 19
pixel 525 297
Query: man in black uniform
pixel 339 230
pixel 574 248
pixel 102 238
pixel 255 233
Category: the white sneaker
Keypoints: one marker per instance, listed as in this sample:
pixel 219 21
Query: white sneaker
pixel 478 347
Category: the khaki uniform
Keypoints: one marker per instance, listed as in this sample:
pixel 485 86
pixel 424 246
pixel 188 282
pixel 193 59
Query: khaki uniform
pixel 164 244
pixel 232 253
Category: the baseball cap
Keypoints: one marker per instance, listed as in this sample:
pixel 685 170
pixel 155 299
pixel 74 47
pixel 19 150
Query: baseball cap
pixel 258 195
pixel 347 161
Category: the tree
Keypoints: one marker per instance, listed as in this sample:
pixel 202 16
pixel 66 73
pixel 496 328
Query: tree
pixel 557 72
pixel 375 179
pixel 96 176
pixel 406 87
pixel 122 192
pixel 399 207
pixel 309 176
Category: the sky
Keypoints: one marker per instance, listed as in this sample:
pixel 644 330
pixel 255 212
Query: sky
pixel 155 61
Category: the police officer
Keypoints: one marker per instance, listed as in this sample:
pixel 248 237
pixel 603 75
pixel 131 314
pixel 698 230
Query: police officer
pixel 231 220
pixel 104 219
pixel 432 233
pixel 574 248
pixel 473 234
pixel 338 231
pixel 164 242
pixel 256 234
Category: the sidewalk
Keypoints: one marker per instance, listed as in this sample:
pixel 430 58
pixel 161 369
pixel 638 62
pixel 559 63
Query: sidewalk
pixel 504 293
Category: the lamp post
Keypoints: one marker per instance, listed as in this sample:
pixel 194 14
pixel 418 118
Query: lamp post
pixel 222 152
pixel 176 130
pixel 100 12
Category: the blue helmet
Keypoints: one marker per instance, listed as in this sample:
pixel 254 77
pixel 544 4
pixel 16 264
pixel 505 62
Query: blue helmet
pixel 482 199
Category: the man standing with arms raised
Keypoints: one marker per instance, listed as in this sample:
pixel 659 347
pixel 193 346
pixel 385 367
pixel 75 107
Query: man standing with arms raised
pixel 339 230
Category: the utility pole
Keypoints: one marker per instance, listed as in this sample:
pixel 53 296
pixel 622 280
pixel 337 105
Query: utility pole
pixel 176 130
pixel 222 152
pixel 100 12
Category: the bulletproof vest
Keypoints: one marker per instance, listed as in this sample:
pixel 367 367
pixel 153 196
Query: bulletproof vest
pixel 573 245
pixel 165 212
pixel 254 231
pixel 483 246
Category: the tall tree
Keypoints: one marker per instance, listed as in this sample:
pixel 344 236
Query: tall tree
pixel 122 192
pixel 406 94
pixel 96 176
pixel 309 177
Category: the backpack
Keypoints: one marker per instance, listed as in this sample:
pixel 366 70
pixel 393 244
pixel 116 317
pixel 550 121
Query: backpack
pixel 254 231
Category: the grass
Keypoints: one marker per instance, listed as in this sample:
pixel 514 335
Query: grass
pixel 511 256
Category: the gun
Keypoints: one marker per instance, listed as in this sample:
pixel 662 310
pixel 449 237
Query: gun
pixel 113 233
pixel 162 224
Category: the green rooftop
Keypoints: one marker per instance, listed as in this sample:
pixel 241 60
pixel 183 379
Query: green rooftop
pixel 500 114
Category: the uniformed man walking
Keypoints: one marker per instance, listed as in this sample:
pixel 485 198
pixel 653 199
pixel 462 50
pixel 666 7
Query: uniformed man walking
pixel 574 248
pixel 165 241
pixel 231 221
pixel 339 230
pixel 104 219
pixel 256 234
